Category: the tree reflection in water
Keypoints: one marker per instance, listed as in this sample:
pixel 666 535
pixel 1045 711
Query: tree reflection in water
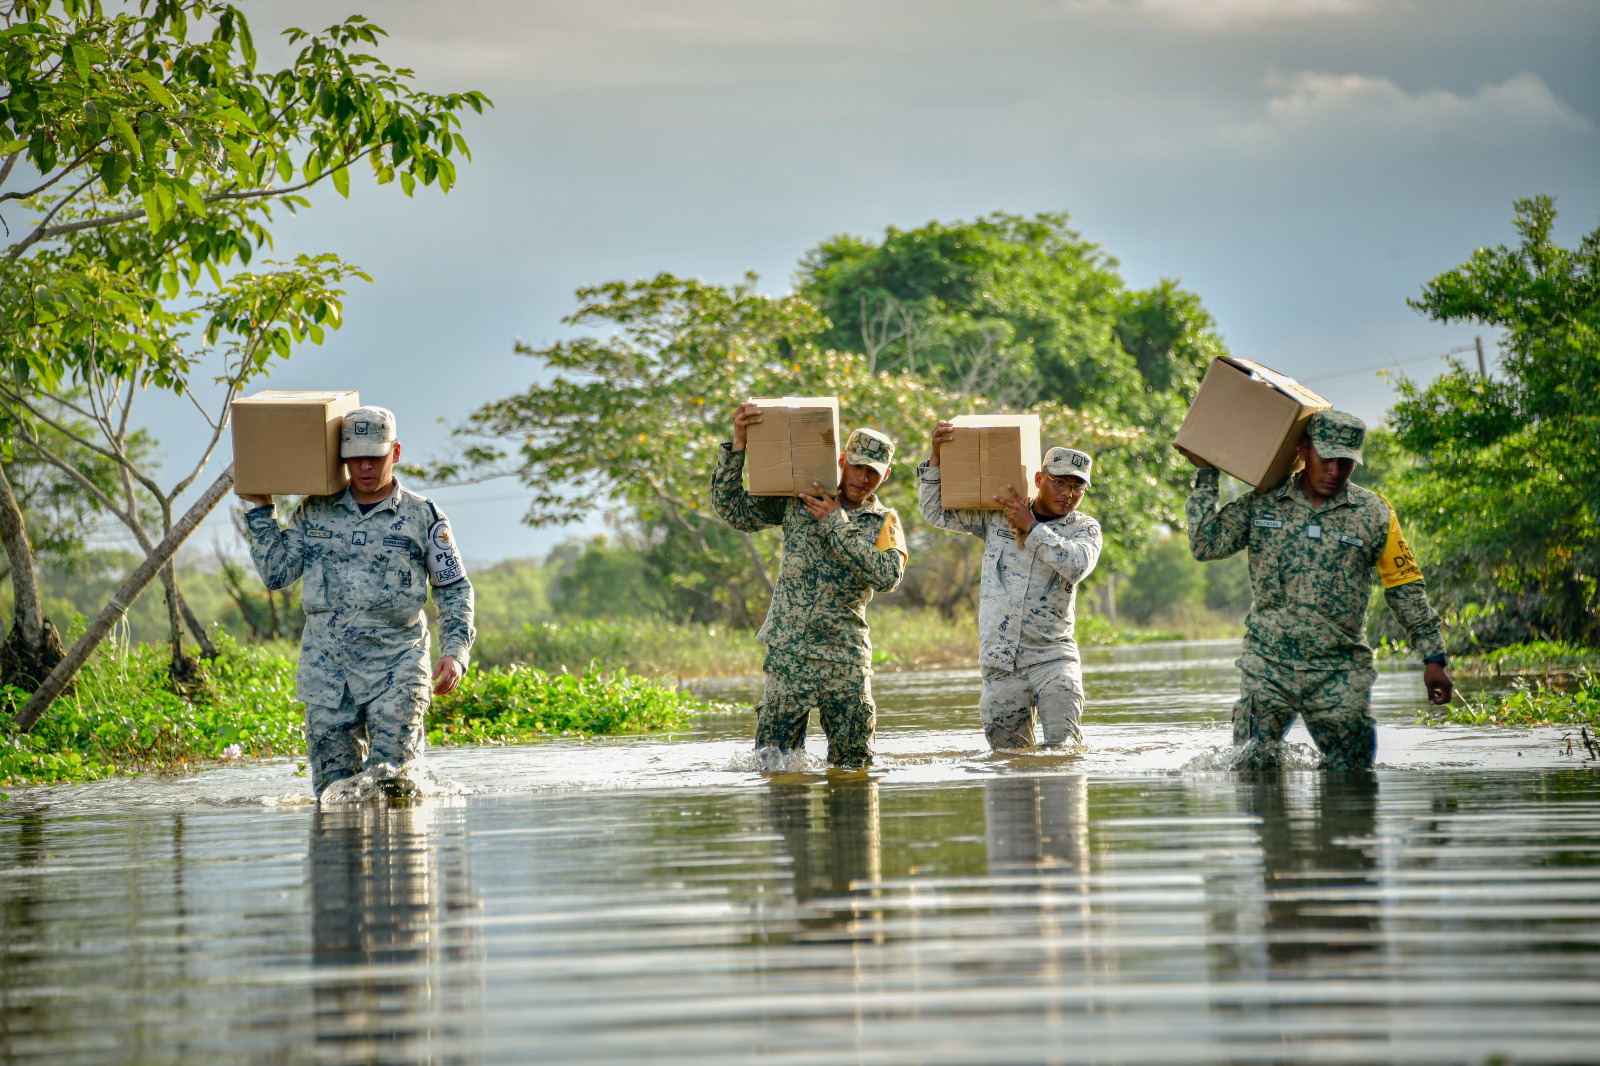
pixel 399 972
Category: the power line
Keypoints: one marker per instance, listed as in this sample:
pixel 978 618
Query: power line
pixel 1391 363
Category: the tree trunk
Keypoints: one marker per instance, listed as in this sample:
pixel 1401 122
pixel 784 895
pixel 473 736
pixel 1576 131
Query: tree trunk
pixel 68 667
pixel 33 647
pixel 1109 598
pixel 169 578
pixel 208 647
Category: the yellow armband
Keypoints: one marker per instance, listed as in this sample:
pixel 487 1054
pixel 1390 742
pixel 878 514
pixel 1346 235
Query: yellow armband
pixel 890 537
pixel 1397 566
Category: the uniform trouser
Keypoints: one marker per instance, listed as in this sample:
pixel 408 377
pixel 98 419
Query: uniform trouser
pixel 387 727
pixel 841 694
pixel 1011 698
pixel 1336 706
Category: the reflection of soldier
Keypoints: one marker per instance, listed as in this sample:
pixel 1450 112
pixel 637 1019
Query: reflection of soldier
pixel 846 852
pixel 836 551
pixel 368 555
pixel 1035 554
pixel 1331 850
pixel 1037 824
pixel 1314 543
pixel 383 888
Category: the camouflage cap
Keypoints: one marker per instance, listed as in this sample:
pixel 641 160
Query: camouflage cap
pixel 367 432
pixel 1336 434
pixel 1069 462
pixel 868 447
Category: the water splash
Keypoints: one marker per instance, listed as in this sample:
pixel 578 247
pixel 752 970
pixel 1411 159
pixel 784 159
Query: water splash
pixel 385 780
pixel 1234 757
pixel 776 761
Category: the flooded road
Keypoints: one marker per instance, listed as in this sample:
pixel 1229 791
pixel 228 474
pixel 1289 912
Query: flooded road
pixel 655 900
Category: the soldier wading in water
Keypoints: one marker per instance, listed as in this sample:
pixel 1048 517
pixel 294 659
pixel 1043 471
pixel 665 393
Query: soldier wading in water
pixel 837 550
pixel 1314 542
pixel 368 555
pixel 1035 555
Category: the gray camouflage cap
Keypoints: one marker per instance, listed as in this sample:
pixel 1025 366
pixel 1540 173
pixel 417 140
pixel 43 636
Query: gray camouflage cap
pixel 367 432
pixel 1336 434
pixel 868 447
pixel 1069 462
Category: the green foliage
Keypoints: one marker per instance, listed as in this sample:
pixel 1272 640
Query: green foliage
pixel 123 716
pixel 1529 703
pixel 1228 585
pixel 1167 579
pixel 1505 494
pixel 519 704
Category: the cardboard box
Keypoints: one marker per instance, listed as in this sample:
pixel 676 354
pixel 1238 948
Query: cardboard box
pixel 795 443
pixel 988 453
pixel 287 443
pixel 1247 419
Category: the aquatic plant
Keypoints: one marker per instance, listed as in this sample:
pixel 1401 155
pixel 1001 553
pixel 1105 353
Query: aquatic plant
pixel 1530 702
pixel 518 704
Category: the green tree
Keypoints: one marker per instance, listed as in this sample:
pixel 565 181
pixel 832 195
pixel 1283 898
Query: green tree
pixel 149 148
pixel 1505 491
pixel 1166 581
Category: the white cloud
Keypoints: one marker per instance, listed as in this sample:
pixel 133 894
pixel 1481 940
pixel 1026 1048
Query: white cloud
pixel 1216 14
pixel 1337 106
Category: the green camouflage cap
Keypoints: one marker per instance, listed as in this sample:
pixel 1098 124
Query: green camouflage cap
pixel 1069 462
pixel 1336 434
pixel 868 447
pixel 367 432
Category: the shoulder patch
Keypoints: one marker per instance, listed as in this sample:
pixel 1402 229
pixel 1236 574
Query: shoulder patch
pixel 1397 566
pixel 444 560
pixel 891 537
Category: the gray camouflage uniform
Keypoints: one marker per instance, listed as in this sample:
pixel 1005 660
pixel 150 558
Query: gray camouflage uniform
pixel 819 654
pixel 1026 616
pixel 364 652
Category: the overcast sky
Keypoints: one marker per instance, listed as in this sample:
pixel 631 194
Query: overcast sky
pixel 1305 165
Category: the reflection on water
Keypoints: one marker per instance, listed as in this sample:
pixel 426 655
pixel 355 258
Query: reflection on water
pixel 398 969
pixel 639 901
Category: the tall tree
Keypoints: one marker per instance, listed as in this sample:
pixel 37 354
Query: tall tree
pixel 147 148
pixel 1505 479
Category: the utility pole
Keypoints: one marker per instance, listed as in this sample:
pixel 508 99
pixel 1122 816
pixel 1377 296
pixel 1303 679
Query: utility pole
pixel 1483 368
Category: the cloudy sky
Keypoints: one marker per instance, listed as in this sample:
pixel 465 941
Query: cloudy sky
pixel 1305 165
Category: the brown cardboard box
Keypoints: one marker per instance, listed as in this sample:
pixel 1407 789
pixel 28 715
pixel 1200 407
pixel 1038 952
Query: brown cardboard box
pixel 1248 419
pixel 795 443
pixel 287 443
pixel 988 453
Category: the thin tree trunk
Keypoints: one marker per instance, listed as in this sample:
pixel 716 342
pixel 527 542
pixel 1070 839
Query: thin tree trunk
pixel 68 667
pixel 169 578
pixel 208 647
pixel 27 613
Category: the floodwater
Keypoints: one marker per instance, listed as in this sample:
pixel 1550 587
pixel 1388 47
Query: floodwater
pixel 659 900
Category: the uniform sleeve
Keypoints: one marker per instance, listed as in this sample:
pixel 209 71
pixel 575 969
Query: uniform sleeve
pixel 1215 534
pixel 1406 593
pixel 733 504
pixel 279 554
pixel 1072 556
pixel 855 542
pixel 456 632
pixel 929 487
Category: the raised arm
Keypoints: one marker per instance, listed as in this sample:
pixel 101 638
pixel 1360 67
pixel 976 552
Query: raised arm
pixel 279 554
pixel 1073 556
pixel 733 504
pixel 929 489
pixel 1213 533
pixel 876 552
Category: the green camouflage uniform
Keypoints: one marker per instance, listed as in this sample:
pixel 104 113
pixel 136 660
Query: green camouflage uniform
pixel 1311 574
pixel 819 654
